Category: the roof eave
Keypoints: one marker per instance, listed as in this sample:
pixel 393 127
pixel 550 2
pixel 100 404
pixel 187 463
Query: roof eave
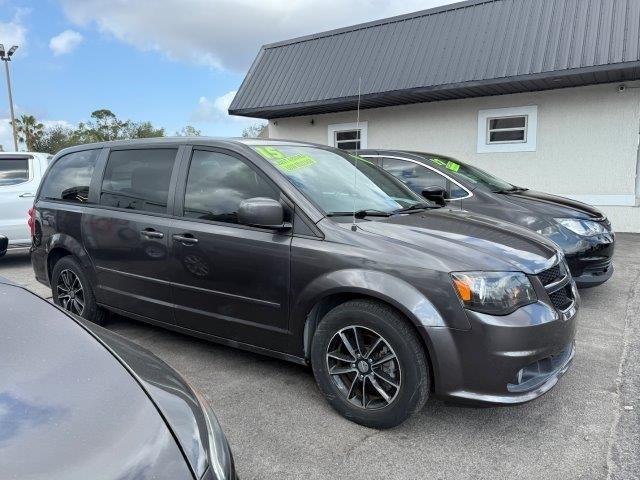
pixel 536 82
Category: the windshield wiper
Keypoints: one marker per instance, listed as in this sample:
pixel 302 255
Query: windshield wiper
pixel 361 213
pixel 513 189
pixel 416 207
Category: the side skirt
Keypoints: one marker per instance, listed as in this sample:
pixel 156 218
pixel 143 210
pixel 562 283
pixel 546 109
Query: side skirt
pixel 211 338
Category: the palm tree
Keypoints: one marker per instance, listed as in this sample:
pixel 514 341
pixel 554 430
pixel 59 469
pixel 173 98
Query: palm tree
pixel 29 130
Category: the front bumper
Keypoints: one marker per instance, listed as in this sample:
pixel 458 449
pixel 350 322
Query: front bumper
pixel 503 360
pixel 591 263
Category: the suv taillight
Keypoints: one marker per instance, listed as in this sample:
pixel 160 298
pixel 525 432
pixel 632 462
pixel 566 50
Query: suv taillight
pixel 32 221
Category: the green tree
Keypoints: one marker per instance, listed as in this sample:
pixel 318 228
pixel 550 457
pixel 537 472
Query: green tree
pixel 257 130
pixel 102 127
pixel 54 139
pixel 142 130
pixel 28 130
pixel 189 131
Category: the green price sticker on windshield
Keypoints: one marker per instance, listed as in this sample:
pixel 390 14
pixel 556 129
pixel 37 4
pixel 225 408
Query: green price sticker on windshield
pixel 453 166
pixel 449 165
pixel 295 162
pixel 270 153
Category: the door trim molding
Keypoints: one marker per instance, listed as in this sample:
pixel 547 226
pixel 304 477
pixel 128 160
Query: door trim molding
pixel 190 287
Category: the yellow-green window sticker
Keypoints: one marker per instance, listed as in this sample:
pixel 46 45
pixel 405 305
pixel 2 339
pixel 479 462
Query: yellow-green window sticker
pixel 449 165
pixel 287 164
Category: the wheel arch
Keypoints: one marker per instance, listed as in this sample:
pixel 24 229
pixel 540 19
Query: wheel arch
pixel 331 290
pixel 61 245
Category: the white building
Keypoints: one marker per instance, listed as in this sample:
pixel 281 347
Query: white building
pixel 562 71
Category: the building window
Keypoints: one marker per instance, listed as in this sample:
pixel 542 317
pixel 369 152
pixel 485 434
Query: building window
pixel 507 129
pixel 348 136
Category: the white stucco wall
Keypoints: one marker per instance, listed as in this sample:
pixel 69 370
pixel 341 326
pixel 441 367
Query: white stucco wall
pixel 587 141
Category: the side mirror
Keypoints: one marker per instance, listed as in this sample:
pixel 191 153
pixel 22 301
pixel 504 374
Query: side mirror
pixel 4 243
pixel 262 212
pixel 435 194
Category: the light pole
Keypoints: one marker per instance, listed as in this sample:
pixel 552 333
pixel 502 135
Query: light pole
pixel 6 58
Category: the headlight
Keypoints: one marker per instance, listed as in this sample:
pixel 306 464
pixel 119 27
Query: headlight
pixel 220 460
pixel 585 228
pixel 497 293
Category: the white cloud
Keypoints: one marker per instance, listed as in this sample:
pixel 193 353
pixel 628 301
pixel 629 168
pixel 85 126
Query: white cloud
pixel 216 110
pixel 225 34
pixel 6 135
pixel 14 32
pixel 65 42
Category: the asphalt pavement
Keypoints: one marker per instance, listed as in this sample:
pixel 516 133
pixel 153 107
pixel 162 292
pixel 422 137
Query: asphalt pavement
pixel 279 426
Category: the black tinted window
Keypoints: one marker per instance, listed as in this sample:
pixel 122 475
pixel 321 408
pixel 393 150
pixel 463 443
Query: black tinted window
pixel 13 171
pixel 69 177
pixel 216 185
pixel 138 179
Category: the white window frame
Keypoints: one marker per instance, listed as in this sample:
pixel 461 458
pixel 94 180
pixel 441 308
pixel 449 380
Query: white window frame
pixel 345 127
pixel 530 132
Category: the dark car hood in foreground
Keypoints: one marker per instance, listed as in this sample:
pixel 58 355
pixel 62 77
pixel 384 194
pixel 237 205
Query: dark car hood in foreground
pixel 172 395
pixel 473 240
pixel 68 409
pixel 551 206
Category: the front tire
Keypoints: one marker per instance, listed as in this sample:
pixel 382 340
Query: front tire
pixel 72 291
pixel 369 363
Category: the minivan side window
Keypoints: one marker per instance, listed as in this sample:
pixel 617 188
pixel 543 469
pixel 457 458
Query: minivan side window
pixel 13 171
pixel 69 177
pixel 218 182
pixel 138 179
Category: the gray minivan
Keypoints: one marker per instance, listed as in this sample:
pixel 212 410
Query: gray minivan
pixel 306 253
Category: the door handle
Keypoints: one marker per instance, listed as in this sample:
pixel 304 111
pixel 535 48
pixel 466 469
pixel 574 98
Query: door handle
pixel 26 195
pixel 151 233
pixel 186 239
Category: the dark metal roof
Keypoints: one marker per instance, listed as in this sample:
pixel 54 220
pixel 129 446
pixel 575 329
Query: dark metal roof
pixel 467 49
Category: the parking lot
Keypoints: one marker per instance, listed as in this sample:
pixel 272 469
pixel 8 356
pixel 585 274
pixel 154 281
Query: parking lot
pixel 279 425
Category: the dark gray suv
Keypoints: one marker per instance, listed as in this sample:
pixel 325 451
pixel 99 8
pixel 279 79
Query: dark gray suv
pixel 306 253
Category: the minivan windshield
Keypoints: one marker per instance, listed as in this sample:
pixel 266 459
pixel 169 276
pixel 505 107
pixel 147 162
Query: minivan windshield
pixel 471 174
pixel 340 183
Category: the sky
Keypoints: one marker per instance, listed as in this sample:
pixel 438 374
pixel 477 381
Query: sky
pixel 172 62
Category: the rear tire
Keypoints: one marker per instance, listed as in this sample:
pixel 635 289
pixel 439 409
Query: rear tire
pixel 379 370
pixel 72 291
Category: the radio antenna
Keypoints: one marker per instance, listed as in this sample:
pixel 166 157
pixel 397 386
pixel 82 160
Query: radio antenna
pixel 355 163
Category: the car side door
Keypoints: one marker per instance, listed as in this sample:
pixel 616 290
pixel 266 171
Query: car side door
pixel 126 234
pixel 229 280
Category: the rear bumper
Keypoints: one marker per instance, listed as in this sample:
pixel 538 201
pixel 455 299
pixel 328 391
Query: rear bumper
pixel 503 360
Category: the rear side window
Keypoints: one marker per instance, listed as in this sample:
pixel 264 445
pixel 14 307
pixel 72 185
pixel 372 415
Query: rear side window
pixel 138 179
pixel 418 177
pixel 13 171
pixel 217 183
pixel 69 177
pixel 415 176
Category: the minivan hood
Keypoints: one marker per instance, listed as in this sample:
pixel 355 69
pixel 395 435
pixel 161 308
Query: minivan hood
pixel 471 240
pixel 552 206
pixel 68 408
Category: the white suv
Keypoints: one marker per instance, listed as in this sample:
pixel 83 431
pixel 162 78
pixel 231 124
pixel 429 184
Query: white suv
pixel 20 175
